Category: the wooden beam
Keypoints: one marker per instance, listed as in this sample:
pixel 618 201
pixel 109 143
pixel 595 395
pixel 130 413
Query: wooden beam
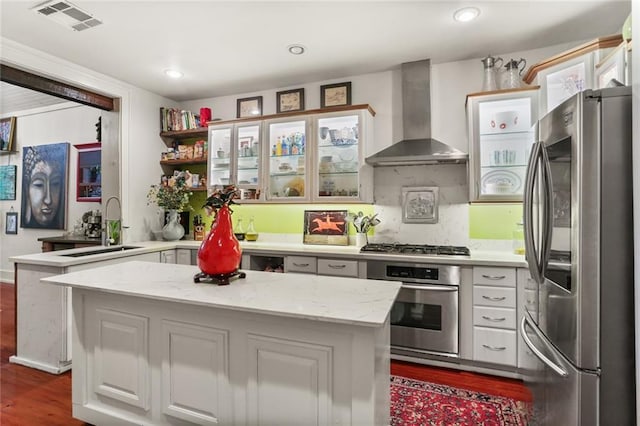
pixel 55 88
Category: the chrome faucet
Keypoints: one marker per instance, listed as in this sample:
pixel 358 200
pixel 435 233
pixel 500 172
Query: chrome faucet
pixel 112 230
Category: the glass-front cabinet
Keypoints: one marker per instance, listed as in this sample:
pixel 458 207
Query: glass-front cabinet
pixel 287 166
pixel 305 156
pixel 220 154
pixel 235 152
pixel 500 126
pixel 338 157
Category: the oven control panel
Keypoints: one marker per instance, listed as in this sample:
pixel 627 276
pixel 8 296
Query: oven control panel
pixel 419 273
pixel 412 272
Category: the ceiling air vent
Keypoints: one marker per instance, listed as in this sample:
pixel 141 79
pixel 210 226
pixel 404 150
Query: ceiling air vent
pixel 67 14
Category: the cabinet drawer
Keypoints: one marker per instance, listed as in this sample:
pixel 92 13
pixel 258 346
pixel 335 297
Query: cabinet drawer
pixel 305 264
pixel 494 345
pixel 503 297
pixel 494 276
pixel 339 267
pixel 494 317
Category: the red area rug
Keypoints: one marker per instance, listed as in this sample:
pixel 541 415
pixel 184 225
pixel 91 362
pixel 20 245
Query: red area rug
pixel 416 403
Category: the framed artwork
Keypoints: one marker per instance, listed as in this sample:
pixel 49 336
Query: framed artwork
pixel 11 223
pixel 326 227
pixel 7 133
pixel 249 107
pixel 290 100
pixel 45 171
pixel 420 204
pixel 8 182
pixel 335 94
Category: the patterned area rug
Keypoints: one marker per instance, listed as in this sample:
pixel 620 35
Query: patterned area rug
pixel 416 403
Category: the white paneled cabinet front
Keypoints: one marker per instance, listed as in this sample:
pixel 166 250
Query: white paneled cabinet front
pixel 494 315
pixel 143 361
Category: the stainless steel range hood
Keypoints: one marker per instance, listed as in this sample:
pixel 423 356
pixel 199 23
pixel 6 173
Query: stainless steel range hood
pixel 417 147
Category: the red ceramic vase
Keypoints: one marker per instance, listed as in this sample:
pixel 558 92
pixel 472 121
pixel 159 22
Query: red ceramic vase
pixel 220 251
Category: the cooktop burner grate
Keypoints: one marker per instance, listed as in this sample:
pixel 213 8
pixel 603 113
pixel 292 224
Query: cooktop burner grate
pixel 423 249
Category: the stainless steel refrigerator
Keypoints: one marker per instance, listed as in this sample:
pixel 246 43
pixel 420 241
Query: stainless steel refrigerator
pixel 579 324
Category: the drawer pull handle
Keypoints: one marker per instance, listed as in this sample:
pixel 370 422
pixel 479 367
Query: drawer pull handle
pixel 331 265
pixel 531 302
pixel 494 277
pixel 494 299
pixel 493 319
pixel 300 265
pixel 494 348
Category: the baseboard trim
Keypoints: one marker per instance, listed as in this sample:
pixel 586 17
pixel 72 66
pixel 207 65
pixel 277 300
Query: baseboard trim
pixel 7 276
pixel 14 359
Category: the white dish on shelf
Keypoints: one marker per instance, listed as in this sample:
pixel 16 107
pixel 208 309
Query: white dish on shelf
pixel 501 182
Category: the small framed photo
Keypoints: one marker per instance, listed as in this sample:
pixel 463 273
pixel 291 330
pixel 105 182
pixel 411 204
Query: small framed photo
pixel 11 223
pixel 7 133
pixel 326 227
pixel 420 204
pixel 249 107
pixel 290 100
pixel 335 94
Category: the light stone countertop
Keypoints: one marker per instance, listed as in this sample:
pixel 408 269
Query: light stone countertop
pixel 331 299
pixel 477 258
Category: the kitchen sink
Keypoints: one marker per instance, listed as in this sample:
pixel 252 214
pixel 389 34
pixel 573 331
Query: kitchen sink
pixel 100 251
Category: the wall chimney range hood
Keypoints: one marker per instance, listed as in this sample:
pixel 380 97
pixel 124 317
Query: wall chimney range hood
pixel 417 147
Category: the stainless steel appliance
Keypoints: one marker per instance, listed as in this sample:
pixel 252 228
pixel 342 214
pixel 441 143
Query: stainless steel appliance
pixel 424 317
pixel 579 246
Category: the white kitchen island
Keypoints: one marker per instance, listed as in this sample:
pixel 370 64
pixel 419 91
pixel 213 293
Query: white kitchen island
pixel 153 347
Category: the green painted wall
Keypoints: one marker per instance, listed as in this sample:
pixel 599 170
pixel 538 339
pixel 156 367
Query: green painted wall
pixel 486 221
pixel 276 218
pixel 493 221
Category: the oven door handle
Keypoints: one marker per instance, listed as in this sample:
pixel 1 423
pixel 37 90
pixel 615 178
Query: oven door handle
pixel 429 287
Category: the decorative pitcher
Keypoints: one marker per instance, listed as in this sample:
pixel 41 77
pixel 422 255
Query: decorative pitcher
pixel 173 231
pixel 491 67
pixel 220 252
pixel 513 71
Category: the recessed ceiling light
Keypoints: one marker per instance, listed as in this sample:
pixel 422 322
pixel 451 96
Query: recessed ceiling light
pixel 173 73
pixel 296 49
pixel 466 14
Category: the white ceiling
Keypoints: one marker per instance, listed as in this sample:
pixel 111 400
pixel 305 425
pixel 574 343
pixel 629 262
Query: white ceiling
pixel 238 47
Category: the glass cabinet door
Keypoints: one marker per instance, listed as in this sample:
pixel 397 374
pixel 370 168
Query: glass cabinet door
pixel 220 154
pixel 338 156
pixel 287 163
pixel 502 136
pixel 248 148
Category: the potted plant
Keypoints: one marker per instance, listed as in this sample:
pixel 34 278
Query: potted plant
pixel 173 196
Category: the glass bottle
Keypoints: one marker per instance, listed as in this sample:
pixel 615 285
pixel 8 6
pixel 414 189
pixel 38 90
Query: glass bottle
pixel 251 234
pixel 491 66
pixel 518 238
pixel 239 230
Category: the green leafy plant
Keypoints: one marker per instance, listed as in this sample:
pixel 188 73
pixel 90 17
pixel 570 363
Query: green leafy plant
pixel 170 195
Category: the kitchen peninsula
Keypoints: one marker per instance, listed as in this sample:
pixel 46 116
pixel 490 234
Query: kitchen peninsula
pixel 270 348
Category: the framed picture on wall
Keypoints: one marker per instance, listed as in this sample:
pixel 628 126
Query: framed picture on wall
pixel 8 182
pixel 249 107
pixel 45 171
pixel 326 227
pixel 11 223
pixel 290 100
pixel 335 94
pixel 7 133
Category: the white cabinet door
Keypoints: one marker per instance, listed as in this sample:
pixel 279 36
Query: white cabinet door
pixel 168 256
pixel 184 256
pixel 500 138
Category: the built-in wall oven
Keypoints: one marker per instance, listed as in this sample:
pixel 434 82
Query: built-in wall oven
pixel 424 317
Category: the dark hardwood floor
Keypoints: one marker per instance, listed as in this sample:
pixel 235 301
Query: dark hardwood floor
pixel 32 397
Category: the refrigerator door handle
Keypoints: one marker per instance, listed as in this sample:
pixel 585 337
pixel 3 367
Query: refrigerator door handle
pixel 523 331
pixel 547 216
pixel 531 253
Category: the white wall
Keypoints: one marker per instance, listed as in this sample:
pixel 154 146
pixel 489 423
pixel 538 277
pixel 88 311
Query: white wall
pixel 139 139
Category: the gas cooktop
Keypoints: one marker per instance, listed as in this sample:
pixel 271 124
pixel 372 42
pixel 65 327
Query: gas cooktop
pixel 422 249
